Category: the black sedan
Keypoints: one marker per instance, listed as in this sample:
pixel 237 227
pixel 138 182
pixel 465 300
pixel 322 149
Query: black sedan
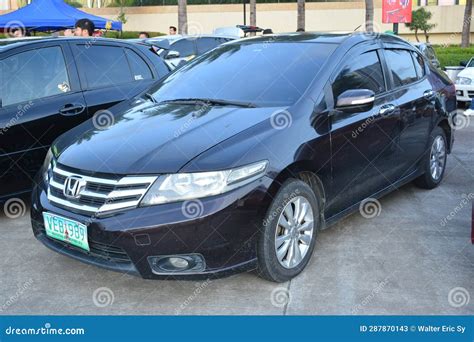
pixel 239 158
pixel 51 85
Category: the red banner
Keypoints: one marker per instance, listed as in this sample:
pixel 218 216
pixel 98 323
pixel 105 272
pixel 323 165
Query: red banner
pixel 396 11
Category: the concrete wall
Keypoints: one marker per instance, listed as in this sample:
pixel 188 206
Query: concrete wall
pixel 322 16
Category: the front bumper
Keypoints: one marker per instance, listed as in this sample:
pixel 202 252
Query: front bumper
pixel 464 93
pixel 223 230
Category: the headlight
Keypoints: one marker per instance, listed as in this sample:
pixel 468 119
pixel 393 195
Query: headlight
pixel 463 80
pixel 48 165
pixel 186 186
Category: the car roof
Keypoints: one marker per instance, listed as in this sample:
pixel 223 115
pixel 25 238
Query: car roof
pixel 10 43
pixel 175 37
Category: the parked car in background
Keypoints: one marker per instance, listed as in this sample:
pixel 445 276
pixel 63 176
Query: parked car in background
pixel 183 48
pixel 430 54
pixel 51 85
pixel 465 83
pixel 236 160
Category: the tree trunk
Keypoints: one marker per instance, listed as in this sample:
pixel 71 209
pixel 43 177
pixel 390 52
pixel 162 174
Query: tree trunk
pixel 253 15
pixel 466 26
pixel 416 35
pixel 301 15
pixel 369 15
pixel 182 17
pixel 427 36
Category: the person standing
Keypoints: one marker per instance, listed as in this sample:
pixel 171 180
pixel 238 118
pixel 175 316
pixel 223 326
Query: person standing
pixel 84 28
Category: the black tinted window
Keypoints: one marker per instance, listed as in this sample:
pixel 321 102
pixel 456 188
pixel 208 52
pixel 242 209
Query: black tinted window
pixel 33 75
pixel 401 66
pixel 206 44
pixel 184 47
pixel 419 64
pixel 261 73
pixel 104 66
pixel 363 72
pixel 140 70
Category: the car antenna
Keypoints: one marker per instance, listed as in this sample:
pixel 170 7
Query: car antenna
pixel 358 27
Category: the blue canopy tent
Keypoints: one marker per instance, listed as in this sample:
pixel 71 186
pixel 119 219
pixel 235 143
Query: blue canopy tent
pixel 51 15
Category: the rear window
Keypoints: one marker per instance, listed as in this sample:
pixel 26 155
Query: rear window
pixel 263 73
pixel 401 66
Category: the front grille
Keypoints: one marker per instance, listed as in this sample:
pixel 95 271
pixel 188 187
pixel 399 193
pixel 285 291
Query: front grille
pixel 470 93
pixel 100 195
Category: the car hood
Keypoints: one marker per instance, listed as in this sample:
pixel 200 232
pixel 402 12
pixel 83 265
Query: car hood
pixel 149 138
pixel 466 72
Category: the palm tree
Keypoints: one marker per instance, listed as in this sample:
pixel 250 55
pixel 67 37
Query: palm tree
pixel 466 26
pixel 369 15
pixel 182 17
pixel 301 15
pixel 253 12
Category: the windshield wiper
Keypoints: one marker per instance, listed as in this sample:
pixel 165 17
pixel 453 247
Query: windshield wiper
pixel 211 102
pixel 150 97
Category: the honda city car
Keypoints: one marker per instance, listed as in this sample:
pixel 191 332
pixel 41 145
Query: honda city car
pixel 238 159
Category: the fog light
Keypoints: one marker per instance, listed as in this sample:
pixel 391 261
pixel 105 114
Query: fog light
pixel 177 264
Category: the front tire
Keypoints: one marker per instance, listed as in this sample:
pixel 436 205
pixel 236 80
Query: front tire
pixel 434 163
pixel 288 236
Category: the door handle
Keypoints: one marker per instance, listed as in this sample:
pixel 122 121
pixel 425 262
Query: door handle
pixel 387 109
pixel 72 109
pixel 428 94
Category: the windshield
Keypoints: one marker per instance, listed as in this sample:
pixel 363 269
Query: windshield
pixel 259 73
pixel 470 64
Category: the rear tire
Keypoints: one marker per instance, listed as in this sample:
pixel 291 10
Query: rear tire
pixel 288 235
pixel 434 163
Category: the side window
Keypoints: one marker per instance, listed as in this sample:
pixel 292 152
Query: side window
pixel 419 64
pixel 185 48
pixel 140 69
pixel 401 66
pixel 206 44
pixel 32 75
pixel 104 66
pixel 364 72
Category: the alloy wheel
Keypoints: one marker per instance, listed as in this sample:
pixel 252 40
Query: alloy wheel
pixel 437 157
pixel 294 232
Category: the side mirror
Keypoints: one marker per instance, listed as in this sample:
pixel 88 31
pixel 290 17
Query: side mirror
pixel 172 54
pixel 356 98
pixel 463 63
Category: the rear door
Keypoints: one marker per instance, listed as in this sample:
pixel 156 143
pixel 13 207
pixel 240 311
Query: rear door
pixel 363 142
pixel 415 99
pixel 111 73
pixel 40 99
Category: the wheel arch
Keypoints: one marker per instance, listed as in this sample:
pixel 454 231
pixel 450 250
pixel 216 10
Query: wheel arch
pixel 446 127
